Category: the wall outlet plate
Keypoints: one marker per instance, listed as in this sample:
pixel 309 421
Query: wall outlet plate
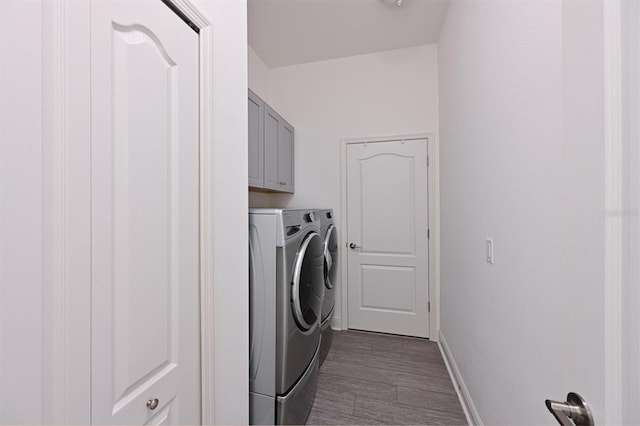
pixel 489 250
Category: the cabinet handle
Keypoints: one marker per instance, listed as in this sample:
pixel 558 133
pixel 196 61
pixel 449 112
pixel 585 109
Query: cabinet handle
pixel 283 183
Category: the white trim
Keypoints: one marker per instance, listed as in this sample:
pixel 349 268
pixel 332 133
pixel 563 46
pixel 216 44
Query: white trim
pixel 613 205
pixel 344 299
pixel 434 241
pixel 336 323
pixel 207 335
pixel 59 254
pixel 66 211
pixel 468 406
pixel 207 341
pixel 192 13
pixel 433 191
pixel 67 106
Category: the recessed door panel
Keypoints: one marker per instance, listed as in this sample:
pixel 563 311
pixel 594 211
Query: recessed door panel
pixel 388 289
pixel 145 215
pixel 144 208
pixel 388 193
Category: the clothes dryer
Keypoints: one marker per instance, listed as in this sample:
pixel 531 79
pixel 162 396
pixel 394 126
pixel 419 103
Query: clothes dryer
pixel 329 235
pixel 286 293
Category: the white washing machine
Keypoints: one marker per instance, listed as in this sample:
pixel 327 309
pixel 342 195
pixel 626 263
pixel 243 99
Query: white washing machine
pixel 286 281
pixel 329 235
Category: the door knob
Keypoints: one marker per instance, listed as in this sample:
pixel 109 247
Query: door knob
pixel 576 409
pixel 354 246
pixel 153 403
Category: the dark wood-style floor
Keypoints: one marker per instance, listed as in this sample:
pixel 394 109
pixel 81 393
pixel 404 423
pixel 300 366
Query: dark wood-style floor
pixel 371 378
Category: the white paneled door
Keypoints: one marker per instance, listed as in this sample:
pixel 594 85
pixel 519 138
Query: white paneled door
pixel 145 215
pixel 388 261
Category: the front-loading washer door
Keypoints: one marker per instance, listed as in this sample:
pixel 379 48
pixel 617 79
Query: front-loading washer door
pixel 330 257
pixel 307 288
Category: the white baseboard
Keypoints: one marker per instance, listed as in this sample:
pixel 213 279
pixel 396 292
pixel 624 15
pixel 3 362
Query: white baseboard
pixel 336 323
pixel 470 410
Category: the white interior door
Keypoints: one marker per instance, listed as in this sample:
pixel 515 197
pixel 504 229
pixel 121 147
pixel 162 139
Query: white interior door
pixel 145 215
pixel 388 288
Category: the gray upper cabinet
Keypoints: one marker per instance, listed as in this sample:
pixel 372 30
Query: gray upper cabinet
pixel 273 144
pixel 256 138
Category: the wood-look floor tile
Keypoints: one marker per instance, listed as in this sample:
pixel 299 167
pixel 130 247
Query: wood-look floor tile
pixel 422 345
pixel 431 357
pixel 352 348
pixel 429 383
pixel 321 416
pixel 378 341
pixel 395 364
pixel 358 387
pixel 437 401
pixel 372 378
pixel 356 371
pixel 390 413
pixel 338 400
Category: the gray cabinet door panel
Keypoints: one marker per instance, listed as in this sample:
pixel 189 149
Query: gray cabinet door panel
pixel 271 137
pixel 285 156
pixel 256 138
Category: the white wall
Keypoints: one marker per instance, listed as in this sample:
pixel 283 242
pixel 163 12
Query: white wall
pixel 521 162
pixel 258 73
pixel 379 94
pixel 259 83
pixel 21 221
pixel 230 257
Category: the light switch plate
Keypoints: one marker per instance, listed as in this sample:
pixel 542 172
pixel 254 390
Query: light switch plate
pixel 489 250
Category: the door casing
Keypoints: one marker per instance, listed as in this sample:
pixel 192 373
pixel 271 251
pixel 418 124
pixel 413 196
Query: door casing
pixel 433 224
pixel 621 214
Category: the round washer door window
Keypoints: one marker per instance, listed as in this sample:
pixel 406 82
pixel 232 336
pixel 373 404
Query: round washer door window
pixel 330 257
pixel 307 285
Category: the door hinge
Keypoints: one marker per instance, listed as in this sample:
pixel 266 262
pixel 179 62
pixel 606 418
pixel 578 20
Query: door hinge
pixel 427 161
pixel 429 307
pixel 428 233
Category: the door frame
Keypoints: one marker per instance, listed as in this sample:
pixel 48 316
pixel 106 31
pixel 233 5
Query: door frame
pixel 433 211
pixel 621 252
pixel 67 112
pixel 613 224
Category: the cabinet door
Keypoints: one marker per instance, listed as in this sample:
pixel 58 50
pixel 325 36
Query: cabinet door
pixel 271 141
pixel 256 141
pixel 285 156
pixel 278 152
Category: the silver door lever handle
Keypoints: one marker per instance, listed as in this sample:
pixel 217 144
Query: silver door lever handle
pixel 575 411
pixel 354 246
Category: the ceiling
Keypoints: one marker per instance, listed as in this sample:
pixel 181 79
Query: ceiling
pixel 290 32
